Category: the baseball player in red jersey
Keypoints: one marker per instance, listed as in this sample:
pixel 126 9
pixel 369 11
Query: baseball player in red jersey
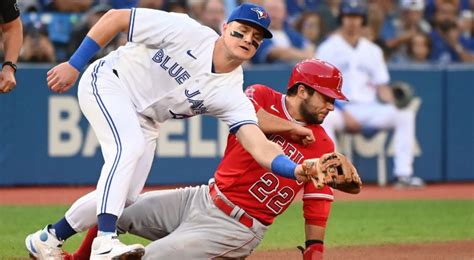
pixel 229 216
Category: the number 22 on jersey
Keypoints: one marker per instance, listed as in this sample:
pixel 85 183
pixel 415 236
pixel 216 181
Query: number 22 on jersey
pixel 267 188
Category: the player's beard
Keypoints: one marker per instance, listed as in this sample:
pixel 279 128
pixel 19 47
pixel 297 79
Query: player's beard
pixel 308 117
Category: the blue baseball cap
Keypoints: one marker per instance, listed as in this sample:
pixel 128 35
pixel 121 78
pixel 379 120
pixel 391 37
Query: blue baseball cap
pixel 354 7
pixel 253 14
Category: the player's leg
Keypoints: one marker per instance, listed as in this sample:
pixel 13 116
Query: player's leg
pixel 150 131
pixel 316 207
pixel 46 243
pixel 206 232
pixel 84 250
pixel 112 115
pixel 151 212
pixel 387 116
pixel 404 137
pixel 155 214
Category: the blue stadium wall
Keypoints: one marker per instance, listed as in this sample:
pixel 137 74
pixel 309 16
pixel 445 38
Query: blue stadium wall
pixel 44 139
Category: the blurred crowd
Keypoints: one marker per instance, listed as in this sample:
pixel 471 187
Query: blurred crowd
pixel 414 31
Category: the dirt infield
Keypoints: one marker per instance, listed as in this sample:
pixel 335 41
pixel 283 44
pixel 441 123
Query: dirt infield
pixel 439 250
pixel 459 250
pixel 67 195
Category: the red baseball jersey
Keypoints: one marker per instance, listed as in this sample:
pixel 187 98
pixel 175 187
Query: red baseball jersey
pixel 261 193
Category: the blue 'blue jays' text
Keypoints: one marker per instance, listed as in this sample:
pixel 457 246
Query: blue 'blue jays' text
pixel 174 69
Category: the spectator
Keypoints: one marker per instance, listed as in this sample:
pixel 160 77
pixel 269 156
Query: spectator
pixel 37 46
pixel 419 48
pixel 375 20
pixel 66 6
pixel 459 5
pixel 27 6
pixel 391 11
pixel 366 80
pixel 122 4
pixel 213 14
pixel 446 38
pixel 287 45
pixel 177 6
pixel 310 26
pixel 152 4
pixel 406 26
pixel 229 6
pixel 295 8
pixel 445 11
pixel 195 8
pixel 80 31
pixel 11 29
pixel 466 26
pixel 329 11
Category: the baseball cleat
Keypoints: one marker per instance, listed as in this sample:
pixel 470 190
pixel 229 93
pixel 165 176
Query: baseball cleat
pixel 410 182
pixel 109 247
pixel 43 245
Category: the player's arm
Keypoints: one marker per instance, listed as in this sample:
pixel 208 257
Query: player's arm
pixel 109 25
pixel 63 76
pixel 268 154
pixel 12 41
pixel 271 124
pixel 261 96
pixel 385 94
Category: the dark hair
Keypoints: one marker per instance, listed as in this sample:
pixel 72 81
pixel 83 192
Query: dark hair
pixel 294 89
pixel 410 44
pixel 299 22
pixel 35 29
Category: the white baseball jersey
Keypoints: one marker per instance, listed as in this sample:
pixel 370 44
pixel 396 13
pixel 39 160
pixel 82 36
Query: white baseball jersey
pixel 166 69
pixel 363 67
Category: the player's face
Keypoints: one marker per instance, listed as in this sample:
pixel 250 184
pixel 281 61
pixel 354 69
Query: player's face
pixel 352 23
pixel 242 39
pixel 315 108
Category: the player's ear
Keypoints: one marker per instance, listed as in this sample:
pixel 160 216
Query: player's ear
pixel 224 28
pixel 302 93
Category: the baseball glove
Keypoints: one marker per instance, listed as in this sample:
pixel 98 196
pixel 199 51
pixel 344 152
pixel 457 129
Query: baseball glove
pixel 403 94
pixel 334 170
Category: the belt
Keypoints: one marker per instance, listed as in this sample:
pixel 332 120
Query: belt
pixel 228 208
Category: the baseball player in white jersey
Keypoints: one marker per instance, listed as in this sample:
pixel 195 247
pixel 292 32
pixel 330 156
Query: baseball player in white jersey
pixel 171 67
pixel 365 79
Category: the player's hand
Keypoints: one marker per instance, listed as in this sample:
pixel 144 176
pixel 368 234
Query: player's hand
pixel 62 77
pixel 7 79
pixel 301 174
pixel 301 135
pixel 385 94
pixel 310 170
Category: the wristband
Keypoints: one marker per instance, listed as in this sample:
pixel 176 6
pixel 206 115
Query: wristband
pixel 11 64
pixel 84 53
pixel 284 167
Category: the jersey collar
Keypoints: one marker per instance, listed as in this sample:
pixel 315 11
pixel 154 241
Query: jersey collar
pixel 287 114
